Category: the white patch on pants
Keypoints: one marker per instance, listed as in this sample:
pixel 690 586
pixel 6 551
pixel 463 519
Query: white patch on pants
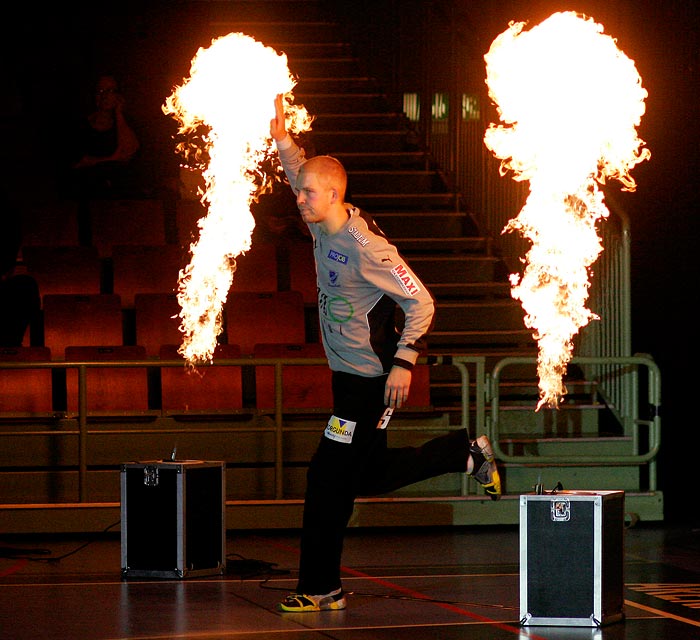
pixel 340 430
pixel 384 420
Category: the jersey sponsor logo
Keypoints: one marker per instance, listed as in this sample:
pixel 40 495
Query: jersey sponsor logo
pixel 354 232
pixel 337 256
pixel 333 279
pixel 405 279
pixel 340 430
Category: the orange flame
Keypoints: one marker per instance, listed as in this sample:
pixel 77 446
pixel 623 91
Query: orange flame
pixel 230 95
pixel 571 102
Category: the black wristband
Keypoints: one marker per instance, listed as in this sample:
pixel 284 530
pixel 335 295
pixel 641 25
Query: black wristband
pixel 404 364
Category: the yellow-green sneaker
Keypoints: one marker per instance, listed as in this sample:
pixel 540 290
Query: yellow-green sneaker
pixel 484 469
pixel 302 602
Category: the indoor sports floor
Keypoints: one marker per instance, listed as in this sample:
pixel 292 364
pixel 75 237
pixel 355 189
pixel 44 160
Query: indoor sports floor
pixel 420 583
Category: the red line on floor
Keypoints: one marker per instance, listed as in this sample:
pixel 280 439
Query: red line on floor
pixel 418 595
pixel 15 567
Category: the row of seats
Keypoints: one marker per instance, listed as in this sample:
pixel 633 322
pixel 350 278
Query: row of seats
pixel 116 300
pixel 71 320
pixel 128 390
pixel 110 222
pixel 124 390
pixel 141 268
pixel 89 328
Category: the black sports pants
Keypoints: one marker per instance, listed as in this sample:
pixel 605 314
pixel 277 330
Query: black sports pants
pixel 359 464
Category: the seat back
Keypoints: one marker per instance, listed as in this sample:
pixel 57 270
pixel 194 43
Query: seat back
pixel 110 390
pixel 25 391
pixel 253 318
pixel 256 269
pixel 209 389
pixel 157 321
pixel 145 269
pixel 64 269
pixel 302 270
pixel 126 221
pixel 304 386
pixel 50 223
pixel 419 394
pixel 81 320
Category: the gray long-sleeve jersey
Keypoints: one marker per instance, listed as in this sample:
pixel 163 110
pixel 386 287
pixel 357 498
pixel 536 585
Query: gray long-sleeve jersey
pixel 361 278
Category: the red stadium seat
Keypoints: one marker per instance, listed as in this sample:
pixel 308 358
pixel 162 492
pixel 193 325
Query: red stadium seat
pixel 419 395
pixel 50 223
pixel 303 386
pixel 25 392
pixel 145 269
pixel 110 390
pixel 81 320
pixel 256 269
pixel 157 321
pixel 187 215
pixel 59 269
pixel 126 221
pixel 207 390
pixel 302 270
pixel 253 318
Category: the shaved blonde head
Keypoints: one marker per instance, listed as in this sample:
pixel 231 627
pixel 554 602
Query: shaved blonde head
pixel 330 172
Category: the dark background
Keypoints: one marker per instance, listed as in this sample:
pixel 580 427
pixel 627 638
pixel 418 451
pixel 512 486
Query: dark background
pixel 51 56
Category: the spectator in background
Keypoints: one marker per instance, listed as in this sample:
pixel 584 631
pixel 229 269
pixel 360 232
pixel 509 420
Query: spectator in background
pixel 19 293
pixel 105 147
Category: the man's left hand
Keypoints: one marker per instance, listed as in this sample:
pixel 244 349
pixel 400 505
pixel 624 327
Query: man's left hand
pixel 397 387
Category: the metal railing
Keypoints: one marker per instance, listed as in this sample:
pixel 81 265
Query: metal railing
pixel 479 412
pixel 642 452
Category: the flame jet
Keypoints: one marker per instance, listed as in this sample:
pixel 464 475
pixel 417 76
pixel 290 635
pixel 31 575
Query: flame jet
pixel 570 102
pixel 224 110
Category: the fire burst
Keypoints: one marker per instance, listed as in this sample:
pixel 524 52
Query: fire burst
pixel 571 102
pixel 226 104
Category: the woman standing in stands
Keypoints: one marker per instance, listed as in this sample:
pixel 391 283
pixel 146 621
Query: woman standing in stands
pixel 105 145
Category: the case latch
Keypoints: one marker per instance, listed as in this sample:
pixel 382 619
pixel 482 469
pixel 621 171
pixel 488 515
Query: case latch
pixel 560 509
pixel 150 476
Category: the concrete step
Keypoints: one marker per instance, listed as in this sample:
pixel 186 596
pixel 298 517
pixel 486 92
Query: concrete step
pixel 382 181
pixel 394 202
pixel 477 316
pixel 546 443
pixel 575 417
pixel 311 49
pixel 518 480
pixel 580 411
pixel 354 122
pixel 234 11
pixel 336 84
pixel 469 290
pixel 403 225
pixel 334 142
pixel 455 268
pixel 323 67
pixel 277 33
pixel 343 102
pixel 441 341
pixel 368 160
pixel 441 245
